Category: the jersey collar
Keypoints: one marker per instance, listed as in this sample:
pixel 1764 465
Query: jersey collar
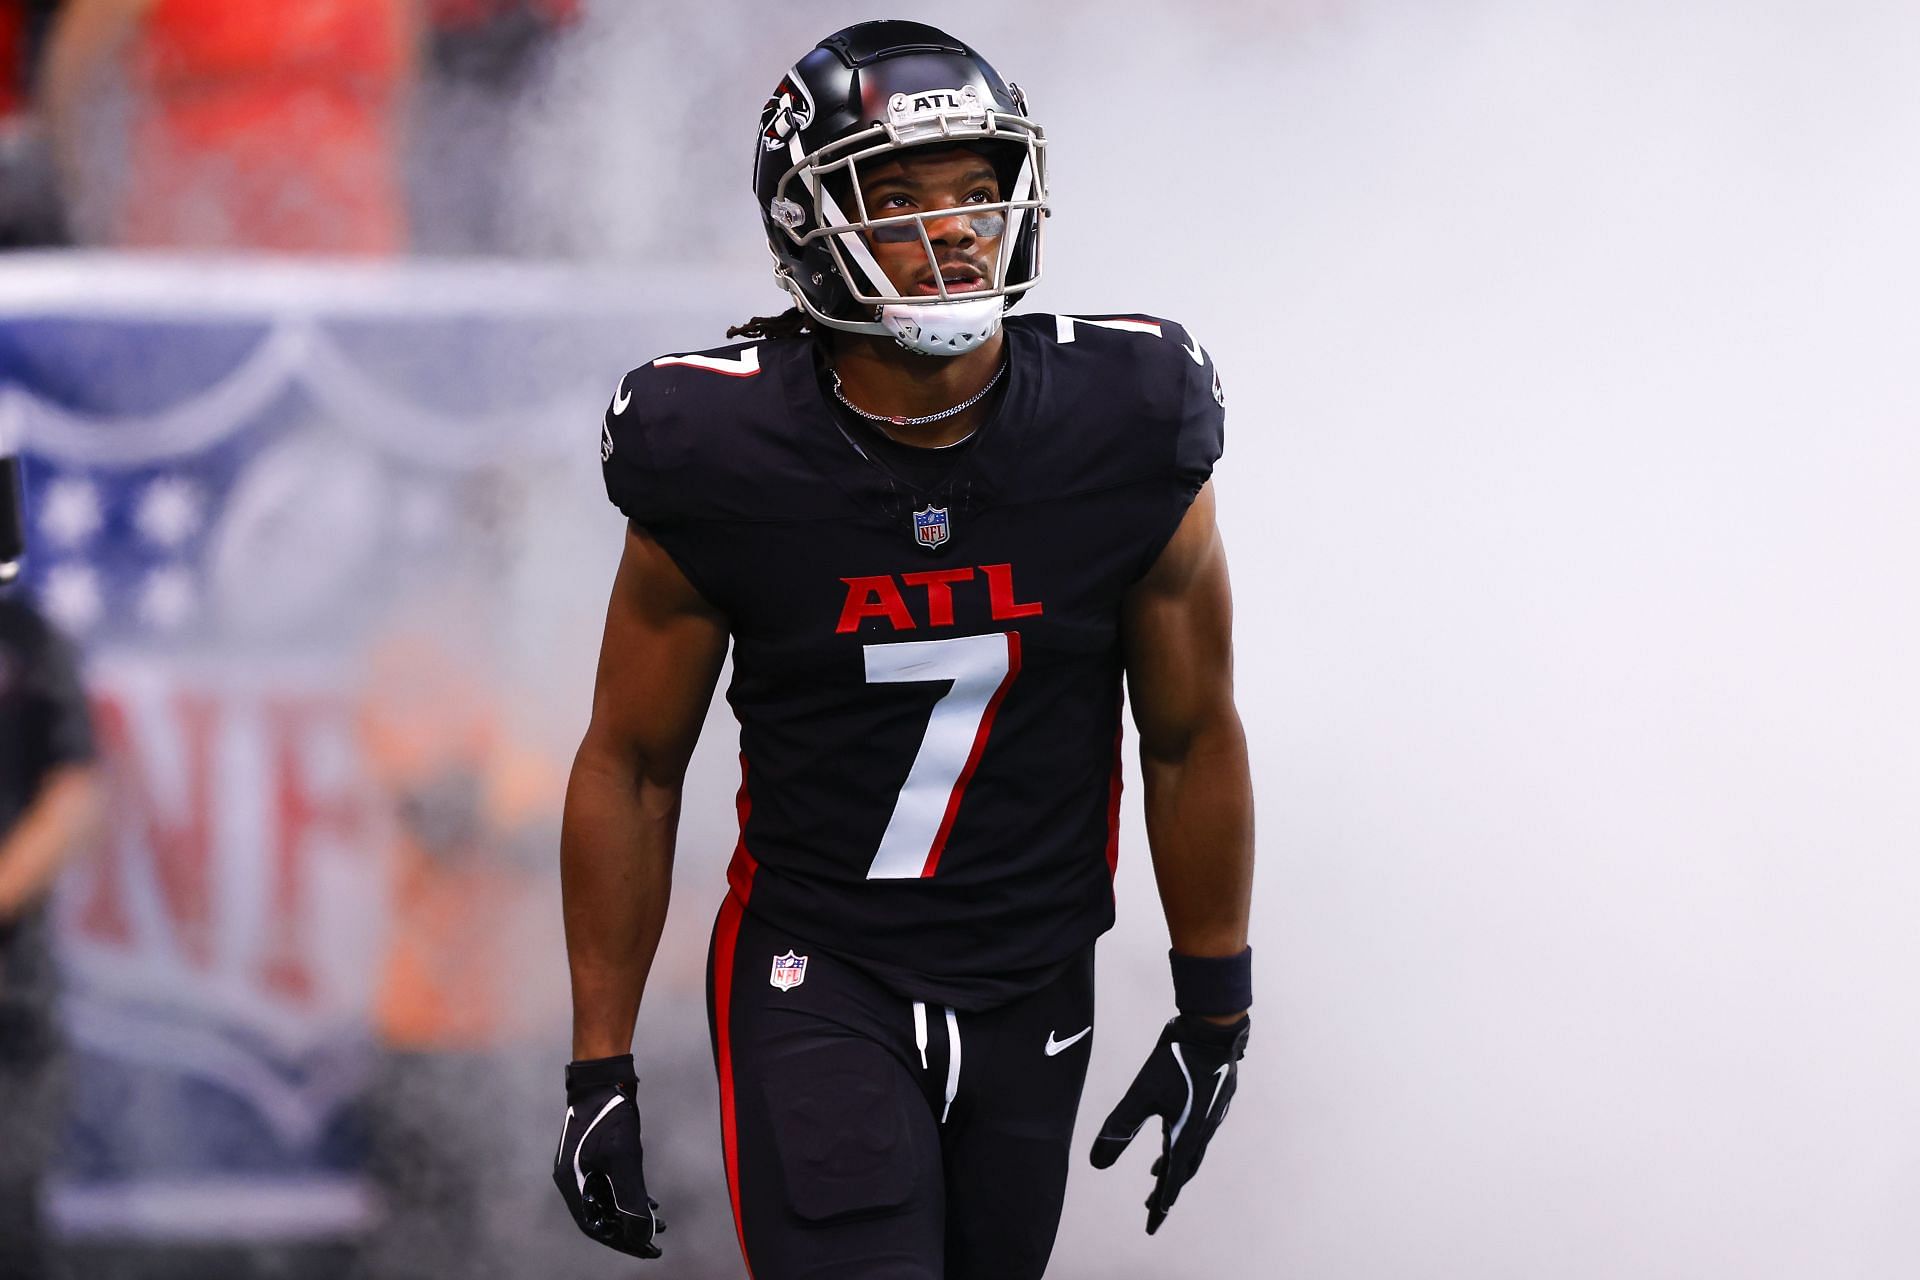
pixel 877 494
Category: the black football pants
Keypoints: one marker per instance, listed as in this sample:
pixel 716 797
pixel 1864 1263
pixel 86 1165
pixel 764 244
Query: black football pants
pixel 870 1137
pixel 32 1116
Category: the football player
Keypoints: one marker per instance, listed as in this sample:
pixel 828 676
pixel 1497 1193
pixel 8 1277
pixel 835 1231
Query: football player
pixel 939 538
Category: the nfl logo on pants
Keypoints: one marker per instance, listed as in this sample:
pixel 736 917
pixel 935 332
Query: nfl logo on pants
pixel 930 526
pixel 789 971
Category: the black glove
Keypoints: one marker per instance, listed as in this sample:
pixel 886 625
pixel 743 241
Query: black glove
pixel 598 1165
pixel 1188 1082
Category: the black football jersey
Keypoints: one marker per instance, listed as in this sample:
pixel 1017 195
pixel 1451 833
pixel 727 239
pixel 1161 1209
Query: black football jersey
pixel 926 669
pixel 43 726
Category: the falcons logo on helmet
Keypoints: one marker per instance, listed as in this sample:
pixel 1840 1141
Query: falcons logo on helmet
pixel 789 109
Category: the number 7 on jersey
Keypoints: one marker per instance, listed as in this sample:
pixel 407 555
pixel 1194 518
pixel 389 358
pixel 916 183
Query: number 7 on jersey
pixel 981 668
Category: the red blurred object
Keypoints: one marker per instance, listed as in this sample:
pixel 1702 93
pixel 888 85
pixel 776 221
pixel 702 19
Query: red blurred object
pixel 13 56
pixel 269 126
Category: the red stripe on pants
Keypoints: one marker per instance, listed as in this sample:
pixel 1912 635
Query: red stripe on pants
pixel 728 933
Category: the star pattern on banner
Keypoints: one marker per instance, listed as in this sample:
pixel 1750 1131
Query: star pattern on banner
pixel 169 598
pixel 72 596
pixel 119 554
pixel 70 513
pixel 169 511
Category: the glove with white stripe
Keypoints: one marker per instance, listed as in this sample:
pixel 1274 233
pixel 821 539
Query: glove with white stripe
pixel 597 1167
pixel 1188 1082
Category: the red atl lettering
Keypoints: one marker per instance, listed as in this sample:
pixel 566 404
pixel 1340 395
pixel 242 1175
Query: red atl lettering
pixel 880 596
pixel 1000 594
pixel 939 585
pixel 876 597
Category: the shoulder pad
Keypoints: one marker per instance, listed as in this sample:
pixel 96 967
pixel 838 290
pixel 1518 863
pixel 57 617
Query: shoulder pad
pixel 701 435
pixel 1152 389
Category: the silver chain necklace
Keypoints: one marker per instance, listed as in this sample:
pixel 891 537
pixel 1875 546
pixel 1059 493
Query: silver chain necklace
pixel 896 421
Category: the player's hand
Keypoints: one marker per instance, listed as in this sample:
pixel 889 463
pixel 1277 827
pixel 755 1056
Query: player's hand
pixel 1188 1082
pixel 598 1165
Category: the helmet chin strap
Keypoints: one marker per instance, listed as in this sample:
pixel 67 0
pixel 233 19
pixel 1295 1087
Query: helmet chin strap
pixel 944 328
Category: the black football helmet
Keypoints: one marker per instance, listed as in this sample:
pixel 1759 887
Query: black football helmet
pixel 864 93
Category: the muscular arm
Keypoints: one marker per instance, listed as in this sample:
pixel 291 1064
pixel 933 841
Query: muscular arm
pixel 64 818
pixel 1177 633
pixel 659 659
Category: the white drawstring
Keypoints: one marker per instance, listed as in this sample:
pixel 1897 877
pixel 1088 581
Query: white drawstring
pixel 953 1061
pixel 953 1049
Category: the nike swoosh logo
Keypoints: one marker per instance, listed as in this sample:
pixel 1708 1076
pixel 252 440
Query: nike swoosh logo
pixel 1218 1085
pixel 622 400
pixel 1193 349
pixel 579 1174
pixel 1057 1046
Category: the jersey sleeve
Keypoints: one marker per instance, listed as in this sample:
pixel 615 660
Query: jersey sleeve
pixel 656 475
pixel 632 480
pixel 1195 420
pixel 1200 437
pixel 679 436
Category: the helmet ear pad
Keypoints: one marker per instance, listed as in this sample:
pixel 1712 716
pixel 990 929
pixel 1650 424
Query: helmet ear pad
pixel 809 272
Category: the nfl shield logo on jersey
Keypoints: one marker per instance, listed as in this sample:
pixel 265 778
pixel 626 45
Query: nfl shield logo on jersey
pixel 930 527
pixel 789 971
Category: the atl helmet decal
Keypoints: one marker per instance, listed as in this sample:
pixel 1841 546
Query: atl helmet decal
pixel 962 104
pixel 788 110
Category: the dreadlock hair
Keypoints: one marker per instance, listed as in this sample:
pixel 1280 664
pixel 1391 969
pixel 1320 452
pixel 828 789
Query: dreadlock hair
pixel 790 323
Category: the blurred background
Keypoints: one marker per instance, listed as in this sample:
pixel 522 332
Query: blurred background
pixel 1572 449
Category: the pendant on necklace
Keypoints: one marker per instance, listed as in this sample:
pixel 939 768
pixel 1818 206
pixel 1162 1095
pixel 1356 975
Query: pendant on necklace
pixel 932 527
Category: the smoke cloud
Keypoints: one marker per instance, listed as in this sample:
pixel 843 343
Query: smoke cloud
pixel 1568 354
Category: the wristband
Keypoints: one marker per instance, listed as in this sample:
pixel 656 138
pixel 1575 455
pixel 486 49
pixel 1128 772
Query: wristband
pixel 1212 986
pixel 1190 1028
pixel 600 1073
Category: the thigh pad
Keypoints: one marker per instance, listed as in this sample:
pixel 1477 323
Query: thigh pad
pixel 844 1128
